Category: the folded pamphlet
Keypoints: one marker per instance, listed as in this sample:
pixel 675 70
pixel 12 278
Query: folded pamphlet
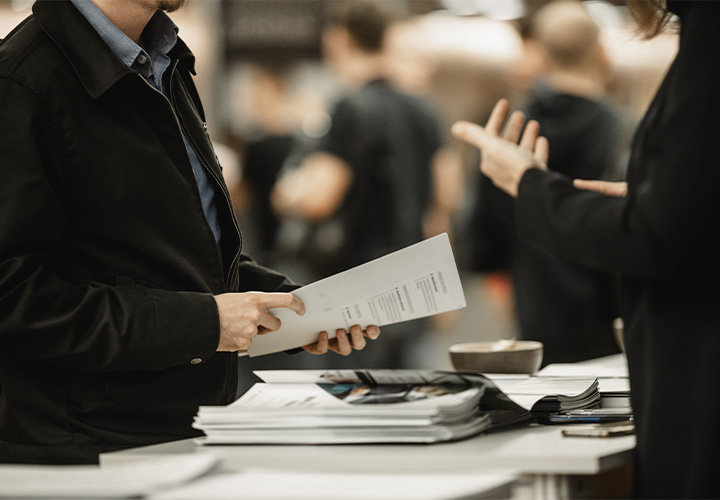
pixel 418 281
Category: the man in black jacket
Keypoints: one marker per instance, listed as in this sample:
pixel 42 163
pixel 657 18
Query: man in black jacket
pixel 120 267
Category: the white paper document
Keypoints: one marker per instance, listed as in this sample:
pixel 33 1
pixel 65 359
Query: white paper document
pixel 528 390
pixel 578 370
pixel 417 281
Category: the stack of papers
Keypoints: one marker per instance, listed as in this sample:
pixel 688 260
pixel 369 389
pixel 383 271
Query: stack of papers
pixel 356 406
pixel 611 372
pixel 540 394
pixel 386 406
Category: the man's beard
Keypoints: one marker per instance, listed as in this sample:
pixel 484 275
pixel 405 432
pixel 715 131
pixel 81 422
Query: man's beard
pixel 170 5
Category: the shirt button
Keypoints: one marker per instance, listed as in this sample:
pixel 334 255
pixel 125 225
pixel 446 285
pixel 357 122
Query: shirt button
pixel 142 59
pixel 196 361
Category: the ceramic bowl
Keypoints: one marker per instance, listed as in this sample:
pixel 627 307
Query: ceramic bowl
pixel 521 356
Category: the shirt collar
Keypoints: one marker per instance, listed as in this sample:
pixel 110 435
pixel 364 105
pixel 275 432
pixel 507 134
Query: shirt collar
pixel 160 34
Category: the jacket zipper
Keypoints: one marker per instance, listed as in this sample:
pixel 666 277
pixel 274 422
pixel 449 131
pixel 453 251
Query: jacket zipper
pixel 233 262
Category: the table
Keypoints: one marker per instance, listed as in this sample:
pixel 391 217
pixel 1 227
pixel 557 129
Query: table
pixel 551 466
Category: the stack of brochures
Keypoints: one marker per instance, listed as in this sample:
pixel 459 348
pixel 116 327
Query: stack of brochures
pixel 611 372
pixel 540 394
pixel 359 406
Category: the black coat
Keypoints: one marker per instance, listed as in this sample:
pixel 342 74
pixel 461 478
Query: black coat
pixel 661 238
pixel 566 306
pixel 107 264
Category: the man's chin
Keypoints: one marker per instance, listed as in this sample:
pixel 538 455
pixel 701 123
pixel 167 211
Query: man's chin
pixel 170 5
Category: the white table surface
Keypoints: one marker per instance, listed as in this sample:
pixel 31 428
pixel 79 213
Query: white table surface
pixel 526 450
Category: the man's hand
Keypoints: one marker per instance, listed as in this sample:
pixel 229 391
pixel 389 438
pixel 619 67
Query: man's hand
pixel 505 161
pixel 602 187
pixel 244 315
pixel 343 343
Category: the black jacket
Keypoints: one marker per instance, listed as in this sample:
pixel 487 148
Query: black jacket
pixel 568 307
pixel 107 264
pixel 661 237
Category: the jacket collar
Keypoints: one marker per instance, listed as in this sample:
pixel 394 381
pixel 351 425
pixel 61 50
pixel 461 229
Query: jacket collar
pixel 95 64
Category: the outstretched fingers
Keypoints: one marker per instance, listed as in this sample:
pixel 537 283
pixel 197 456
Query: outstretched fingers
pixel 474 134
pixel 514 127
pixel 530 135
pixel 542 151
pixel 497 117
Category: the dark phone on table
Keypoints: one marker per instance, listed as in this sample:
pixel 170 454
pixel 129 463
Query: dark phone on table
pixel 590 416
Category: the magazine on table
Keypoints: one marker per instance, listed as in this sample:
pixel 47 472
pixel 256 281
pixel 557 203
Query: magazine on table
pixel 364 406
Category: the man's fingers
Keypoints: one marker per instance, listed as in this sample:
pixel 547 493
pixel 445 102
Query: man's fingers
pixel 514 127
pixel 372 332
pixel 320 346
pixel 269 323
pixel 288 300
pixel 542 150
pixel 497 117
pixel 341 343
pixel 357 338
pixel 530 135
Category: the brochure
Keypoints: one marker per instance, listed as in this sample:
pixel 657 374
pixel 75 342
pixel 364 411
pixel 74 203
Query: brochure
pixel 418 281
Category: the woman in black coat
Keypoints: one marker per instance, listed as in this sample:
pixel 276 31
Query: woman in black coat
pixel 657 233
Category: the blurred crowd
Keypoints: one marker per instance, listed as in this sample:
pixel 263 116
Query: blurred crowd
pixel 350 158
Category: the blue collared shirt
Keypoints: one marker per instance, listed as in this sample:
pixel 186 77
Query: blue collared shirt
pixel 160 36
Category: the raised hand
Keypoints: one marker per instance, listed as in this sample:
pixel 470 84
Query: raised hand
pixel 504 159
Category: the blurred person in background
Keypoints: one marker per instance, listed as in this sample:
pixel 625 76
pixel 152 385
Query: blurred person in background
pixel 656 231
pixel 124 295
pixel 568 307
pixel 265 154
pixel 366 187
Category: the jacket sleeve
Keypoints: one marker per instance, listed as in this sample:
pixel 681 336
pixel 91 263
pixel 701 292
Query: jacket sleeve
pixel 597 231
pixel 46 317
pixel 663 228
pixel 254 277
